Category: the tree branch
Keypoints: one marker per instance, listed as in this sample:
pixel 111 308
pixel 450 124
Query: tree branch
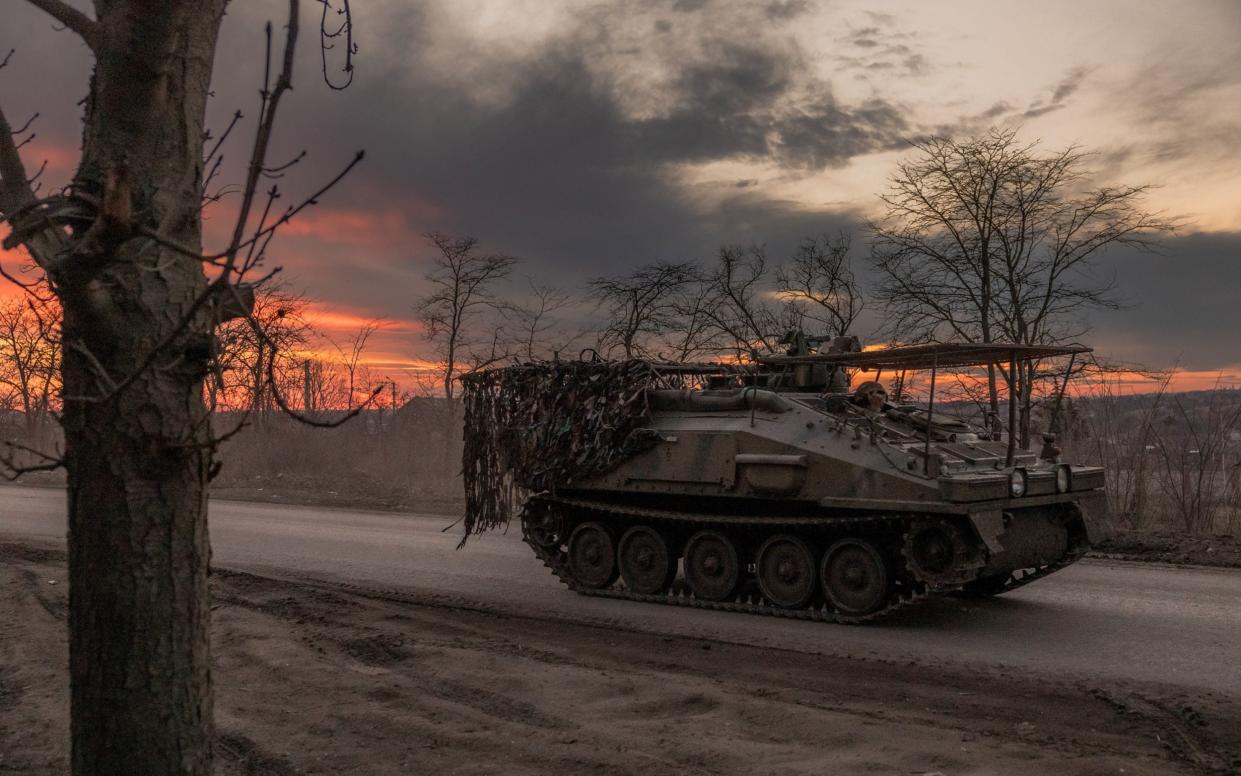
pixel 10 469
pixel 86 27
pixel 270 101
pixel 14 185
pixel 17 196
pixel 326 36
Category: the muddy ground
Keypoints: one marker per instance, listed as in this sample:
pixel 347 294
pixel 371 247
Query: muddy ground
pixel 1175 548
pixel 319 680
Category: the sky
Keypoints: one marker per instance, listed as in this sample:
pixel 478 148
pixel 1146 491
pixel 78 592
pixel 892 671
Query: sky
pixel 587 138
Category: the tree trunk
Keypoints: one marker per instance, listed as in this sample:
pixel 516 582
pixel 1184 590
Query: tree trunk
pixel 993 402
pixel 137 461
pixel 1027 403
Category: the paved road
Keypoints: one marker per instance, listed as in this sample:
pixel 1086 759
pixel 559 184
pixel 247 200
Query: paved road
pixel 1107 620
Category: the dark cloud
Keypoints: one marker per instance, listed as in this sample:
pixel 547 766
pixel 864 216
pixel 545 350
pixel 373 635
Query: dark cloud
pixel 882 48
pixel 1060 94
pixel 737 79
pixel 551 156
pixel 690 6
pixel 824 134
pixel 1172 102
pixel 1181 303
pixel 1168 90
pixel 1071 83
pixel 746 102
pixel 1004 113
pixel 996 110
pixel 783 10
pixel 546 155
pixel 915 64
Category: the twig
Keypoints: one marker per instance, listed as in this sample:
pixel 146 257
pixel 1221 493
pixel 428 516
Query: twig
pixel 27 125
pixel 273 172
pixel 293 211
pixel 345 28
pixel 237 116
pixel 13 471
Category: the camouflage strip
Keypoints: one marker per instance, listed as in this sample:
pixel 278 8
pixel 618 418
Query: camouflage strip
pixel 533 427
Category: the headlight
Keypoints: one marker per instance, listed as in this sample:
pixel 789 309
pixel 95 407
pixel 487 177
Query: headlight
pixel 1064 479
pixel 1017 483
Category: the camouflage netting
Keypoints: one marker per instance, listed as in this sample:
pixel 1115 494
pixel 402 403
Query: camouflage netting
pixel 531 427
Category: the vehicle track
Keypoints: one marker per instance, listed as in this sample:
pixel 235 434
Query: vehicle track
pixel 905 591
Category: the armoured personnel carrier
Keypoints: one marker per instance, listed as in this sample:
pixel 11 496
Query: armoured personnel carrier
pixel 773 488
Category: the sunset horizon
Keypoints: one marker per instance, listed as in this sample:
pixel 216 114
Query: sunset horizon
pixel 620 137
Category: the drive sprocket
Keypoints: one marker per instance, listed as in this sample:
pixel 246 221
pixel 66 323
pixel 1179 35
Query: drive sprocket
pixel 938 554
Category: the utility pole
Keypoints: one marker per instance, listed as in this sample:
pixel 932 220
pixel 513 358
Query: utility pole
pixel 308 399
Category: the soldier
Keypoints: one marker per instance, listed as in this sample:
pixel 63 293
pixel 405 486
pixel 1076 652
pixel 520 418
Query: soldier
pixel 870 396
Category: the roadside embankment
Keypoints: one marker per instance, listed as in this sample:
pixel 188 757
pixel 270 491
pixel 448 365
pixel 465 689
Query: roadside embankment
pixel 312 679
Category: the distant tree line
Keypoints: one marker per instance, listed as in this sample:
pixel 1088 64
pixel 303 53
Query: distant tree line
pixel 985 240
pixel 738 305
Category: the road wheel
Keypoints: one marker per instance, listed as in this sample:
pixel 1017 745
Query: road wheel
pixel 855 577
pixel 786 571
pixel 646 561
pixel 592 556
pixel 712 569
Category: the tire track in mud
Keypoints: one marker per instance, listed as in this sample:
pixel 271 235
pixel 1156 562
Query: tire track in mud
pixel 244 756
pixel 1176 727
pixel 55 604
pixel 1186 735
pixel 380 648
pixel 1189 737
pixel 10 691
pixel 455 667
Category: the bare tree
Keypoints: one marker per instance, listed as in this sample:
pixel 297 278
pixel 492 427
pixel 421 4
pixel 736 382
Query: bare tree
pixel 323 386
pixel 820 285
pixel 640 305
pixel 540 332
pixel 740 304
pixel 1121 440
pixel 991 240
pixel 121 248
pixel 1193 447
pixel 29 356
pixel 694 334
pixel 253 363
pixel 464 282
pixel 351 359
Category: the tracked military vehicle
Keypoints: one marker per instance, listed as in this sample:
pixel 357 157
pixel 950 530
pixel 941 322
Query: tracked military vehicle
pixel 776 487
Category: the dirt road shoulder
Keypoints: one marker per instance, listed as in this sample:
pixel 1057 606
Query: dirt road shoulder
pixel 315 680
